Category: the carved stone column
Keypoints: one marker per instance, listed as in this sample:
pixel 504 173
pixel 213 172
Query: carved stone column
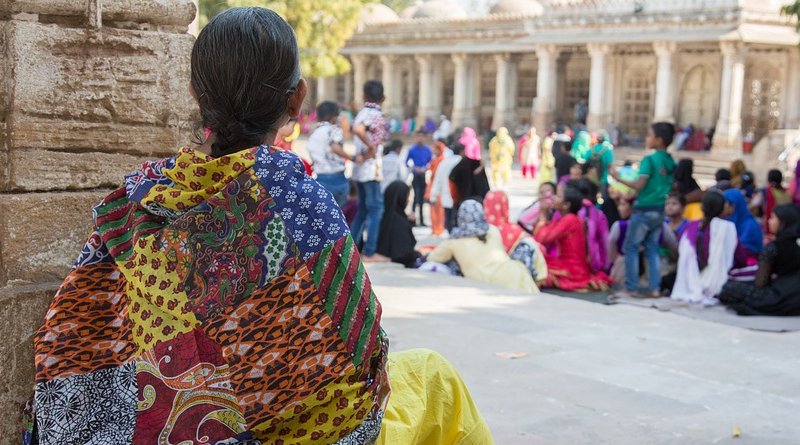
pixel 505 107
pixel 597 118
pixel 665 81
pixel 463 90
pixel 392 86
pixel 359 63
pixel 546 82
pixel 326 89
pixel 728 134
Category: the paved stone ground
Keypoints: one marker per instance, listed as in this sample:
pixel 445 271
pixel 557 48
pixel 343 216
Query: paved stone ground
pixel 596 374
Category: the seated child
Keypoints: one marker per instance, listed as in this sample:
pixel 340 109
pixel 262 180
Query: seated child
pixel 705 254
pixel 674 225
pixel 616 238
pixel 530 216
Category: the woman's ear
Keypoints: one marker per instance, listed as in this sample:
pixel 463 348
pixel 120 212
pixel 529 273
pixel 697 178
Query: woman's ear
pixel 295 103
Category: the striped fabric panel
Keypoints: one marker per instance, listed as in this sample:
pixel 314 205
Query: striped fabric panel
pixel 121 222
pixel 343 283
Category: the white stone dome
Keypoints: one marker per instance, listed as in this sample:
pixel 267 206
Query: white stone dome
pixel 374 13
pixel 439 9
pixel 527 7
pixel 409 12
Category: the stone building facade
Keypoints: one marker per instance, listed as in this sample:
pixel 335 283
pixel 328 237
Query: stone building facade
pixel 88 90
pixel 732 65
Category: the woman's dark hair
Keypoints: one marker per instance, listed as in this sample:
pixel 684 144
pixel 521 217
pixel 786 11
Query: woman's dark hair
pixel 789 216
pixel 327 110
pixel 713 204
pixel 678 197
pixel 457 148
pixel 775 178
pixel 573 198
pixel 551 184
pixel 722 174
pixel 585 167
pixel 245 66
pixel 748 179
pixel 664 130
pixel 373 91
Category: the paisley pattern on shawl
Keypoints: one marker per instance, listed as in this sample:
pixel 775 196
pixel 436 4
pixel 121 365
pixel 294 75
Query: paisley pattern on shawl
pixel 216 301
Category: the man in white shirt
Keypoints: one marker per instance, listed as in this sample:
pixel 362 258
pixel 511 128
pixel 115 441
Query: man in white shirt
pixel 325 148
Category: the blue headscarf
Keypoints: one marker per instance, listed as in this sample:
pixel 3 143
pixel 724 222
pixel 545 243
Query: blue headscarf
pixel 748 230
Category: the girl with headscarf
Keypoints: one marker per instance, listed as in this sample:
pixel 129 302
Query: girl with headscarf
pixel 568 268
pixel 547 163
pixel 501 152
pixel 582 146
pixel 396 239
pixel 776 290
pixel 749 233
pixel 705 254
pixel 518 243
pixel 685 185
pixel 529 149
pixel 478 249
pixel 472 146
pixel 469 175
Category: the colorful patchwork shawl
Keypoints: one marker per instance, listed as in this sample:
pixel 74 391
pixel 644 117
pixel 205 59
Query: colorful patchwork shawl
pixel 217 301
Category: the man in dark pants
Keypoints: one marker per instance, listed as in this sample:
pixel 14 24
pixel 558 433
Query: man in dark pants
pixel 419 160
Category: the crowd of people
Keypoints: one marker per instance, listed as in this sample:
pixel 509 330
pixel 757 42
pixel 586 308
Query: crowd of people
pixel 639 231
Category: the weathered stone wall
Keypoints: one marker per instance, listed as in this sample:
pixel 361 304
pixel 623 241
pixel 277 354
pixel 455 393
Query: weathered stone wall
pixel 88 90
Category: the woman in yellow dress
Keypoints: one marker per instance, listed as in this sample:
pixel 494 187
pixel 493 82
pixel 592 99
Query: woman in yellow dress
pixel 501 153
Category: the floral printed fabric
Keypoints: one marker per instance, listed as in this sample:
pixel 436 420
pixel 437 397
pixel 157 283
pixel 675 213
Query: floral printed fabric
pixel 211 305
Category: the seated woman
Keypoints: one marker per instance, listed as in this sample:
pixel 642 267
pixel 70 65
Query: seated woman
pixel 776 290
pixel 209 303
pixel 518 243
pixel 770 197
pixel 544 202
pixel 396 238
pixel 616 239
pixel 705 254
pixel 596 224
pixel 751 238
pixel 478 249
pixel 568 269
pixel 674 225
pixel 686 186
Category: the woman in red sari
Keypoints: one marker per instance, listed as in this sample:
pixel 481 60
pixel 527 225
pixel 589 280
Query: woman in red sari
pixel 569 268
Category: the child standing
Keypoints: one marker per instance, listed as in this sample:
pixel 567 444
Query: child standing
pixel 370 131
pixel 644 228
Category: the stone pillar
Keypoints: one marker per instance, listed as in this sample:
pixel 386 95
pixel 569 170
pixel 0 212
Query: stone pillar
pixel 348 88
pixel 665 82
pixel 326 89
pixel 437 80
pixel 546 82
pixel 82 104
pixel 790 104
pixel 597 118
pixel 728 133
pixel 359 63
pixel 425 104
pixel 392 86
pixel 505 109
pixel 463 90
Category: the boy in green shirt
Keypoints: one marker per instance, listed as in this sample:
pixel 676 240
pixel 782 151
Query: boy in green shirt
pixel 644 227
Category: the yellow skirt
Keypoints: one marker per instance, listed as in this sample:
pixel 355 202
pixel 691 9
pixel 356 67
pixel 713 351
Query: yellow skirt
pixel 693 211
pixel 429 404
